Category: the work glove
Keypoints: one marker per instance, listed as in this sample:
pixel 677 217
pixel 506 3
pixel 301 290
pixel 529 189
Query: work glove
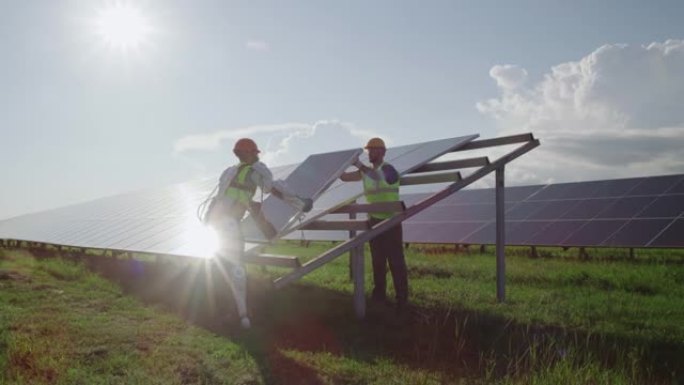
pixel 307 204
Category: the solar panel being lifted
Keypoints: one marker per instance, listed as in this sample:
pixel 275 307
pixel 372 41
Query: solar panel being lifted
pixel 310 180
pixel 403 158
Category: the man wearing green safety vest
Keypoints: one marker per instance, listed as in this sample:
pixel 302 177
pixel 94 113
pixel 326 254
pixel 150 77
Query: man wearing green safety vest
pixel 236 188
pixel 381 184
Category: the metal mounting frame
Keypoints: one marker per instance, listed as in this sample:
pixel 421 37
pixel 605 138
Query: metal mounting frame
pixel 356 241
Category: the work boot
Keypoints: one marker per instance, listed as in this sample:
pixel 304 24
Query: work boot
pixel 379 300
pixel 402 309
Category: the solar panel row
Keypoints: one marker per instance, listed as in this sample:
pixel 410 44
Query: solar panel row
pixel 636 212
pixel 164 220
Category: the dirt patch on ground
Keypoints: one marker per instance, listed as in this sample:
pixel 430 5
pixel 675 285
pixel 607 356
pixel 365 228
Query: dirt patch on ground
pixel 10 275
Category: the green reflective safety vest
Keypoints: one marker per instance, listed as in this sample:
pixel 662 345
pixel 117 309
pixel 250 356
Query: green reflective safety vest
pixel 380 191
pixel 241 188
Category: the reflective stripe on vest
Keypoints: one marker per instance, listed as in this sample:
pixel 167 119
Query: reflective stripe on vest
pixel 380 191
pixel 241 188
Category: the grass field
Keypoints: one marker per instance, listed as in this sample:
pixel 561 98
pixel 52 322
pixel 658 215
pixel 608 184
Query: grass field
pixel 607 320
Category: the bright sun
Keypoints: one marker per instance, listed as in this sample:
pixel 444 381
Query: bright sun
pixel 123 26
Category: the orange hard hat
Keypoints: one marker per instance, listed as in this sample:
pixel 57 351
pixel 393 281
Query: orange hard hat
pixel 245 144
pixel 375 143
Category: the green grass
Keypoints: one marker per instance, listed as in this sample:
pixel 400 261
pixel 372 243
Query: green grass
pixel 63 325
pixel 565 321
pixel 616 297
pixel 617 321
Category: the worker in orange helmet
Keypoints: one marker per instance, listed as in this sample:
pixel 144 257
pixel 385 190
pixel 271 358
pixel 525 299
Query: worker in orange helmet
pixel 237 186
pixel 381 184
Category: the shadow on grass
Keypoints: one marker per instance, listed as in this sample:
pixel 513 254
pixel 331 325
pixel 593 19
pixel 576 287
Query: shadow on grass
pixel 456 343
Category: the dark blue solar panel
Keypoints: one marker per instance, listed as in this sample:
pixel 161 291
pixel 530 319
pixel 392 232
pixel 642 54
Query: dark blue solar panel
pixel 475 212
pixel 553 210
pixel 521 232
pixel 655 185
pixel 637 232
pixel 588 189
pixel 485 235
pixel 667 206
pixel 439 232
pixel 523 210
pixel 672 236
pixel 625 208
pixel 555 233
pixel 520 193
pixel 588 208
pixel 511 194
pixel 615 188
pixel 558 191
pixel 677 189
pixel 593 233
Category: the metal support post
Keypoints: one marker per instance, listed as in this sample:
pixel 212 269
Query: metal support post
pixel 356 260
pixel 500 236
pixel 352 234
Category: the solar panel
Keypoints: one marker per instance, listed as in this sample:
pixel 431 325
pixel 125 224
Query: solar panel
pixel 439 232
pixel 635 212
pixel 637 232
pixel 625 208
pixel 164 220
pixel 310 179
pixel 553 210
pixel 476 212
pixel 677 189
pixel 519 193
pixel 671 236
pixel 563 215
pixel 593 232
pixel 403 158
pixel 523 210
pixel 416 156
pixel 558 191
pixel 614 188
pixel 587 208
pixel 655 185
pixel 521 232
pixel 666 206
pixel 555 232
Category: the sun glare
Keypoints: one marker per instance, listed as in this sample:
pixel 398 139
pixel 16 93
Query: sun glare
pixel 200 240
pixel 123 26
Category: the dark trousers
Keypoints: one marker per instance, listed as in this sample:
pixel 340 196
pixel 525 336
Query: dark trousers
pixel 388 248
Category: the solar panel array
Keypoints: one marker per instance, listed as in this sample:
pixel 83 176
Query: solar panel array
pixel 635 212
pixel 164 220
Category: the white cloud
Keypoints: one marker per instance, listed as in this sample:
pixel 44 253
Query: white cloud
pixel 281 143
pixel 614 113
pixel 257 45
pixel 215 140
pixel 508 76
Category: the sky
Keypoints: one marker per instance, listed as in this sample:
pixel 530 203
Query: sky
pixel 104 97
